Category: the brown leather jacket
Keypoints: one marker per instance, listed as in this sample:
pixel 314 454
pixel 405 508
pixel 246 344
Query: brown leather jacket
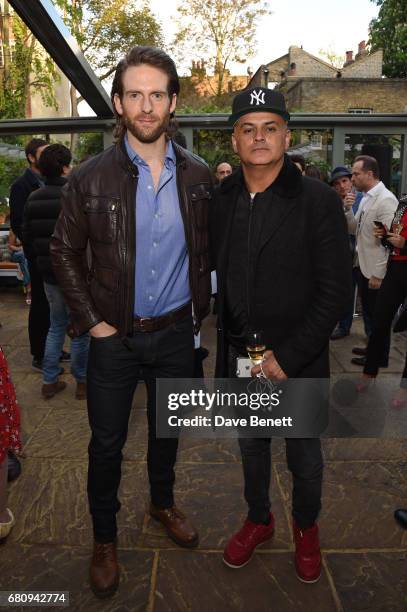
pixel 93 246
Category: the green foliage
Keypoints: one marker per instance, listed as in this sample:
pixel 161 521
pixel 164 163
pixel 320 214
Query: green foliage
pixel 106 29
pixel 389 32
pixel 204 105
pixel 88 144
pixel 29 70
pixel 329 55
pixel 219 31
pixel 215 147
pixel 10 169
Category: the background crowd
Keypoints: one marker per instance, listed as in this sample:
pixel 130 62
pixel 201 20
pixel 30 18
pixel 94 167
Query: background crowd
pixel 377 225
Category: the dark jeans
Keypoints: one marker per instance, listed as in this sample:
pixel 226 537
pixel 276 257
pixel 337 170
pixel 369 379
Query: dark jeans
pixel 38 318
pixel 369 298
pixel 390 296
pixel 345 324
pixel 304 460
pixel 115 366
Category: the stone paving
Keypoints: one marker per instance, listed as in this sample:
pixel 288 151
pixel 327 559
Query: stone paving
pixel 364 551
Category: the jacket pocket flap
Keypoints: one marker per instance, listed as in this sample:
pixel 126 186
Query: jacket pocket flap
pixel 200 191
pixel 100 205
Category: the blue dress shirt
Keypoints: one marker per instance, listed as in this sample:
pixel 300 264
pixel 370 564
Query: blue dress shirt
pixel 162 263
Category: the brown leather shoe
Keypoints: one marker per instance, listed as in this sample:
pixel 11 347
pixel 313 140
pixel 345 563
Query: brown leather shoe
pixel 177 525
pixel 52 389
pixel 80 393
pixel 104 570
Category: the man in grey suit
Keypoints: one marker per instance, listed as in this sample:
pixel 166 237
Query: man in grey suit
pixel 377 204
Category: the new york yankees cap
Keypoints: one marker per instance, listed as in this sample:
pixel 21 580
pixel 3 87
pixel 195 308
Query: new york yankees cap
pixel 258 99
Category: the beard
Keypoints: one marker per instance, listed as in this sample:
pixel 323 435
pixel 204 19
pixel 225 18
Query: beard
pixel 146 134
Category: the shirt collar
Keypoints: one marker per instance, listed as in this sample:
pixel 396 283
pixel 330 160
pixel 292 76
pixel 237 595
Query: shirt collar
pixel 139 161
pixel 374 190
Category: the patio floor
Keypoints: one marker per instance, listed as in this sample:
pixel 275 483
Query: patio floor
pixel 364 551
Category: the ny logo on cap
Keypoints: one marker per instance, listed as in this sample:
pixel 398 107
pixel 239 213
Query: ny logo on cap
pixel 257 97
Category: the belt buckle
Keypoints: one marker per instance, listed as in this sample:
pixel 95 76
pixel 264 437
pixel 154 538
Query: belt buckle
pixel 142 321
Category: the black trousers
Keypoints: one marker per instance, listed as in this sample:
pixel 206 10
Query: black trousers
pixel 38 318
pixel 304 460
pixel 390 296
pixel 369 298
pixel 115 366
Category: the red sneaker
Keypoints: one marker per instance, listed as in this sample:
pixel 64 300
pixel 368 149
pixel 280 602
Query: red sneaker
pixel 307 554
pixel 242 545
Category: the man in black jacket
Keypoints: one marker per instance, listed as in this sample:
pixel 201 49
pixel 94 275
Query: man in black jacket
pixel 142 208
pixel 282 262
pixel 38 319
pixel 40 216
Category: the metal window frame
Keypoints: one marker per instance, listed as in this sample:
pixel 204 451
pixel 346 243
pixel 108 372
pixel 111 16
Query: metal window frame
pixel 48 27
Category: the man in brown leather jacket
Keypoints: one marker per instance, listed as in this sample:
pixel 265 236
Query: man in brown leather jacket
pixel 141 209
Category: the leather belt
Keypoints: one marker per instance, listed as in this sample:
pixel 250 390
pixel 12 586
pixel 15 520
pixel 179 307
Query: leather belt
pixel 152 324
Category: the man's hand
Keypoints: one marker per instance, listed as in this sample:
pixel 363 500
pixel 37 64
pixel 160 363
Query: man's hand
pixel 102 330
pixel 396 240
pixel 379 232
pixel 375 283
pixel 270 368
pixel 349 200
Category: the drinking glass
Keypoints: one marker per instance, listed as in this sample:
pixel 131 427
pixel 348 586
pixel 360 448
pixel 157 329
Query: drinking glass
pixel 255 346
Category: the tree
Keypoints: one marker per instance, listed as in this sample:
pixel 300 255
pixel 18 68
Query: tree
pixel 332 58
pixel 223 31
pixel 89 144
pixel 389 32
pixel 215 146
pixel 105 30
pixel 10 169
pixel 27 68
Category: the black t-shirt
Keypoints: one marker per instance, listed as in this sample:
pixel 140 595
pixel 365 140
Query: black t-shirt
pixel 246 234
pixel 237 274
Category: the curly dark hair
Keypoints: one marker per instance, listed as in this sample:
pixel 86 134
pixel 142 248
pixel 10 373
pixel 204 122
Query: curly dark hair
pixel 53 160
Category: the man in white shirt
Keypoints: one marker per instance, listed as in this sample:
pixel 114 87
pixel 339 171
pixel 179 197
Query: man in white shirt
pixel 377 204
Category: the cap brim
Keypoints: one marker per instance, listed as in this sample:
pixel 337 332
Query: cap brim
pixel 257 109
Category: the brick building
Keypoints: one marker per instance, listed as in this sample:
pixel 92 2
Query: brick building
pixel 312 85
pixel 200 88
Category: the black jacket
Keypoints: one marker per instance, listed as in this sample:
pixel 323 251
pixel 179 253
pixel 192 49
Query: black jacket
pixel 299 279
pixel 40 216
pixel 98 210
pixel 19 192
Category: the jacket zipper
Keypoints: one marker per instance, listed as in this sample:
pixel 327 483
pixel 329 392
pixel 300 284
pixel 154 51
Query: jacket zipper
pixel 131 231
pixel 188 229
pixel 251 203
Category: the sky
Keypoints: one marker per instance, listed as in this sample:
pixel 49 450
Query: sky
pixel 314 24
